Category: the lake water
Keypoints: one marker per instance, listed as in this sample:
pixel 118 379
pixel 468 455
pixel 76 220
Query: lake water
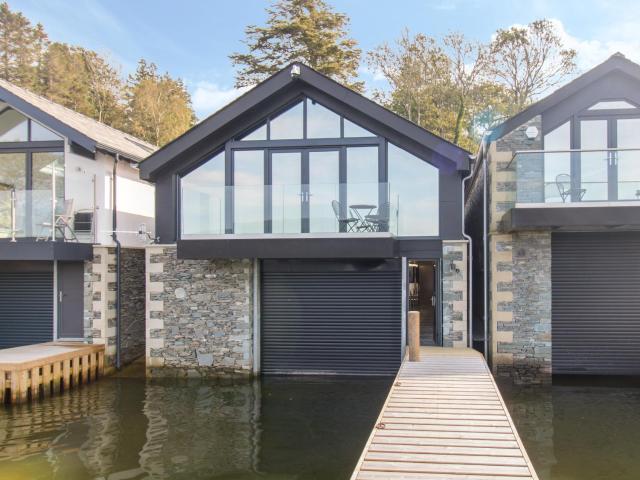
pixel 129 428
pixel 126 427
pixel 580 428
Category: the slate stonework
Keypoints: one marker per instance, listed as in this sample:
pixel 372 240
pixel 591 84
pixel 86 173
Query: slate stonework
pixel 199 315
pixel 132 309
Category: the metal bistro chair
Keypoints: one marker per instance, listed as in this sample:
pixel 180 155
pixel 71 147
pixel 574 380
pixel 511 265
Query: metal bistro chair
pixel 349 223
pixel 380 220
pixel 563 182
pixel 64 222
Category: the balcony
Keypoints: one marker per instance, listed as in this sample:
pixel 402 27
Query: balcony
pixel 35 225
pixel 575 188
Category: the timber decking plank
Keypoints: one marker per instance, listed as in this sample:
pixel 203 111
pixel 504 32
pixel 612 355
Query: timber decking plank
pixel 444 418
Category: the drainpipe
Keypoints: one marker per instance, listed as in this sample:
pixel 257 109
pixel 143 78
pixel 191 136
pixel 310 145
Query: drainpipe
pixel 114 236
pixel 485 250
pixel 469 269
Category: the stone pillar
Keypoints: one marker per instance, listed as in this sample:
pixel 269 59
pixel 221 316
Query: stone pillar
pixel 455 308
pixel 103 330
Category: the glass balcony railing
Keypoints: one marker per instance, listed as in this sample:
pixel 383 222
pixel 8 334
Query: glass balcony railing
pixel 571 176
pixel 321 208
pixel 26 213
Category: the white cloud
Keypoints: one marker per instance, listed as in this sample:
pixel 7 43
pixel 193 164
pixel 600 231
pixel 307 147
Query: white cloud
pixel 209 97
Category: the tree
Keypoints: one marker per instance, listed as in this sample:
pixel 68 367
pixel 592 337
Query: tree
pixel 308 31
pixel 529 60
pixel 440 85
pixel 21 48
pixel 158 106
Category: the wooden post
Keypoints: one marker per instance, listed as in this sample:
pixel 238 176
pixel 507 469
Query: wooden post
pixel 2 387
pixel 413 333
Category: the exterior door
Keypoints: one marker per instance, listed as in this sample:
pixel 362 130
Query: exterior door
pixel 70 300
pixel 627 159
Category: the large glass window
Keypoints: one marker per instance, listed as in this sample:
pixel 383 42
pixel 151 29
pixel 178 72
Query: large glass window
pixel 594 162
pixel 413 187
pixel 14 127
pixel 203 192
pixel 321 122
pixel 324 190
pixel 353 130
pixel 248 191
pixel 628 160
pixel 286 192
pixel 362 180
pixel 289 124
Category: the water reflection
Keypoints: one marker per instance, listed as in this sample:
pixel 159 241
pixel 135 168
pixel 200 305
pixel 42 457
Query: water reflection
pixel 129 428
pixel 579 428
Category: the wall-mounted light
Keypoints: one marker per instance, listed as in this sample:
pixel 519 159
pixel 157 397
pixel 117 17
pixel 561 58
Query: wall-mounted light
pixel 531 132
pixel 295 71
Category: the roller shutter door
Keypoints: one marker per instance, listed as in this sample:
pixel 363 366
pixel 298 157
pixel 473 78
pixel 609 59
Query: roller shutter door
pixel 26 308
pixel 596 303
pixel 330 317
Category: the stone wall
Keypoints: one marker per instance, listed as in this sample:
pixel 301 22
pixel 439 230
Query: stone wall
pixel 100 285
pixel 519 272
pixel 454 294
pixel 199 315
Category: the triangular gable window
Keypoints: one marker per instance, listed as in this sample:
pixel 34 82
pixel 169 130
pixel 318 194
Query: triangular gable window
pixel 13 126
pixel 352 130
pixel 289 124
pixel 612 105
pixel 258 133
pixel 321 122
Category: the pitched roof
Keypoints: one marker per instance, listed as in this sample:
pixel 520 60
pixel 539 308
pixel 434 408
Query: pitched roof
pixel 616 62
pixel 78 128
pixel 279 81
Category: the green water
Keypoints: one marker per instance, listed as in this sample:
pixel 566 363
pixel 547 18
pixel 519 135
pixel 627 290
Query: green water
pixel 129 428
pixel 580 428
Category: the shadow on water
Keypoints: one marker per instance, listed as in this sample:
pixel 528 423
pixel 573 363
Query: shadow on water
pixel 132 428
pixel 582 428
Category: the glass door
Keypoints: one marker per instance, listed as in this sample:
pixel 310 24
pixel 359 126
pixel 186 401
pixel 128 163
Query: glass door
pixel 595 171
pixel 627 159
pixel 323 195
pixel 286 194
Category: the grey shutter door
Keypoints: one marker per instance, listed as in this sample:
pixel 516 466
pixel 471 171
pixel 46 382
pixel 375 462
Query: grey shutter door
pixel 596 303
pixel 331 318
pixel 26 308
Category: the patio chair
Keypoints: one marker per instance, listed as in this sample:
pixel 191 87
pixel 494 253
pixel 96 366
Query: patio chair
pixel 345 222
pixel 63 222
pixel 380 220
pixel 563 182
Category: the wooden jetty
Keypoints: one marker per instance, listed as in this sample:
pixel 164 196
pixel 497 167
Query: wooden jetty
pixel 36 371
pixel 444 418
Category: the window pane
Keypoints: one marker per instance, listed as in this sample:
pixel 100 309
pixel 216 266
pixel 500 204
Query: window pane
pixel 324 182
pixel 13 127
pixel 414 194
pixel 42 134
pixel 353 130
pixel 629 161
pixel 594 166
pixel 248 191
pixel 13 175
pixel 203 198
pixel 289 124
pixel 612 105
pixel 362 180
pixel 286 199
pixel 321 122
pixel 260 133
pixel 555 164
pixel 48 167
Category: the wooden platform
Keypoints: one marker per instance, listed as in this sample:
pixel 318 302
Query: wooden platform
pixel 444 418
pixel 36 371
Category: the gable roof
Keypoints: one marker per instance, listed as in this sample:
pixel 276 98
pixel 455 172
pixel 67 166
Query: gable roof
pixel 78 128
pixel 277 83
pixel 616 62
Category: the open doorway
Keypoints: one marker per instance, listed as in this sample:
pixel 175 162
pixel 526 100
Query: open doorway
pixel 423 297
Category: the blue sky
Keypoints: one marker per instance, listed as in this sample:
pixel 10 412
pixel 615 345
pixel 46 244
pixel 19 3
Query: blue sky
pixel 191 39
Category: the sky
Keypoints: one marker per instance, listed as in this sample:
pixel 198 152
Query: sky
pixel 192 39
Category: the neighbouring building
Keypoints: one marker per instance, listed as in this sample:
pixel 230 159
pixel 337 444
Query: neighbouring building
pixel 554 211
pixel 66 183
pixel 296 226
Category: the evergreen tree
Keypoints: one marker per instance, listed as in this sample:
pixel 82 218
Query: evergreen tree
pixel 308 31
pixel 158 106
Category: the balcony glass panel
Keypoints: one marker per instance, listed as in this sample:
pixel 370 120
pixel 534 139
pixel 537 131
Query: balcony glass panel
pixel 26 213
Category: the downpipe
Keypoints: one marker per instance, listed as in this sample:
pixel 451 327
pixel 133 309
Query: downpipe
pixel 469 268
pixel 114 236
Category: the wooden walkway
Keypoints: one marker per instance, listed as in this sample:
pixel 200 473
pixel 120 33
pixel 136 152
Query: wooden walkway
pixel 36 371
pixel 444 418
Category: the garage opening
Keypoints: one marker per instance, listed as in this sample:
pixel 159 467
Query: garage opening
pixel 596 303
pixel 331 317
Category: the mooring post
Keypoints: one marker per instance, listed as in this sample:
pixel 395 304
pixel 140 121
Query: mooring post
pixel 414 336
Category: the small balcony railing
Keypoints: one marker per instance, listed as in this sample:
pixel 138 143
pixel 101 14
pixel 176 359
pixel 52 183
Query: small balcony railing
pixel 39 215
pixel 362 208
pixel 576 176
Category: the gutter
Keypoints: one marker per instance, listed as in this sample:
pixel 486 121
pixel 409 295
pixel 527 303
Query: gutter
pixel 469 269
pixel 114 236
